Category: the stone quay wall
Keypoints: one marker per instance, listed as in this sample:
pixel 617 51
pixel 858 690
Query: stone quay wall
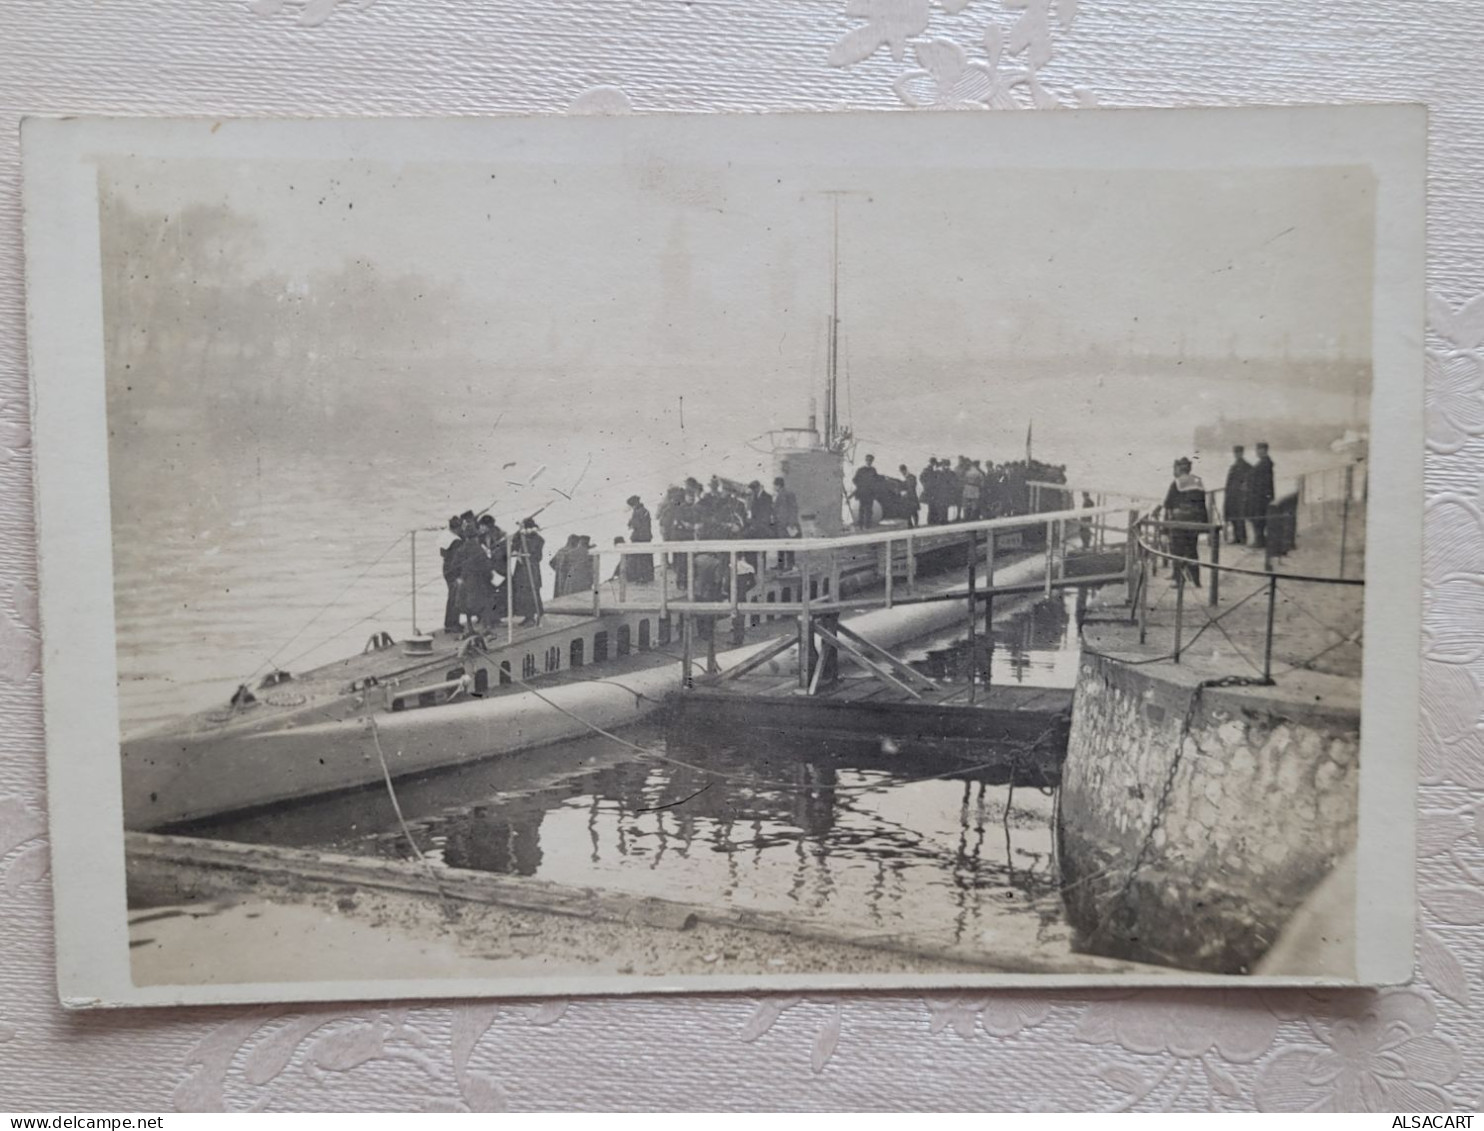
pixel 1194 819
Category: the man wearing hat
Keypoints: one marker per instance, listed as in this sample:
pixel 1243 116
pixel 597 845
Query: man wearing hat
pixel 525 572
pixel 639 567
pixel 1234 503
pixel 1260 493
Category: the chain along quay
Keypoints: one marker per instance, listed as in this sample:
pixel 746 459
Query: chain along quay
pixel 1034 743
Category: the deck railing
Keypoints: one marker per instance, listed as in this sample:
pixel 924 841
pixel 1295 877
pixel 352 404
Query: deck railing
pixel 814 567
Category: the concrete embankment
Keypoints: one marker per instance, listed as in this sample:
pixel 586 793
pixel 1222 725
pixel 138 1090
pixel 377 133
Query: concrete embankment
pixel 209 911
pixel 1200 808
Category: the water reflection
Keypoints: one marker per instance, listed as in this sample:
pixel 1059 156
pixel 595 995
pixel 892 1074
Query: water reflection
pixel 902 839
pixel 1035 647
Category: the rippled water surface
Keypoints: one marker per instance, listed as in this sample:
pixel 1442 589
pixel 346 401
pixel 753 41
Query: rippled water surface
pixel 880 838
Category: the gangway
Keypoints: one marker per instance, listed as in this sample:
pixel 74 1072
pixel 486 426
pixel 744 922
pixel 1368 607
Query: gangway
pixel 812 582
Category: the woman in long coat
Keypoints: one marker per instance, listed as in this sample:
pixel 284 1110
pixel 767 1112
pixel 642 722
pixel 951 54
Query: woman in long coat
pixel 639 567
pixel 525 571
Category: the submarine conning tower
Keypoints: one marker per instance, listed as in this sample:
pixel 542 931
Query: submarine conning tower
pixel 815 473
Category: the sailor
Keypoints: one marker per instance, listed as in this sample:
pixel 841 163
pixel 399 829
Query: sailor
pixel 525 571
pixel 1259 495
pixel 1234 503
pixel 1185 501
pixel 639 567
pixel 909 494
pixel 865 480
pixel 785 519
pixel 448 543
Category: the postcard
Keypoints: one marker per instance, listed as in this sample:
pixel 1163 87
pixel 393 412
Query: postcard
pixel 561 555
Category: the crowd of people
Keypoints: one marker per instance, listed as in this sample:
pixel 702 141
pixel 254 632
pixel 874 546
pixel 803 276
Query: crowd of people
pixel 489 573
pixel 967 491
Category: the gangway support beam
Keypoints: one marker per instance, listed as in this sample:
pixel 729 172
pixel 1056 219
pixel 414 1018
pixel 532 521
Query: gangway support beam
pixel 865 661
pixel 772 651
pixel 906 670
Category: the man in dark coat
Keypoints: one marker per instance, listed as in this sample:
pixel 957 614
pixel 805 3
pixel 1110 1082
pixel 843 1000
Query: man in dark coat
pixel 476 577
pixel 1259 495
pixel 639 567
pixel 762 519
pixel 1235 501
pixel 909 495
pixel 561 567
pixel 448 549
pixel 865 494
pixel 785 519
pixel 928 481
pixel 525 571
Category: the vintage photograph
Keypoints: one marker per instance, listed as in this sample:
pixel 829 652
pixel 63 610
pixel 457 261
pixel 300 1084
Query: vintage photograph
pixel 653 553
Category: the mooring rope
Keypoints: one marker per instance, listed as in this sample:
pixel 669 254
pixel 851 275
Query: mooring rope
pixel 391 792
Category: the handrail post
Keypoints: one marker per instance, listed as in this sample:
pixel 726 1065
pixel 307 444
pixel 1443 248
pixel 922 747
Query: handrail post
pixel 911 564
pixel 1143 597
pixel 887 566
pixel 733 556
pixel 595 562
pixel 1050 555
pixel 664 586
pixel 806 624
pixel 989 614
pixel 510 589
pixel 1344 520
pixel 1215 566
pixel 1267 651
pixel 973 610
pixel 414 584
pixel 623 578
pixel 1179 606
pixel 1131 557
pixel 685 648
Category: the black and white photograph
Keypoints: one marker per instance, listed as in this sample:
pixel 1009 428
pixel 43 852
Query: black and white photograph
pixel 623 554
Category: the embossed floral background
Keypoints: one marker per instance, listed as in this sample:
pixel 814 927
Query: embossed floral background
pixel 1401 1049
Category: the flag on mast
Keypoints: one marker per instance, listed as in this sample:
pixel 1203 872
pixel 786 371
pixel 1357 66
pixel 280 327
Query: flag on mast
pixel 1029 425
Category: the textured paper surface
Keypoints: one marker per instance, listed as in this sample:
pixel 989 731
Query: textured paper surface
pixel 1402 1049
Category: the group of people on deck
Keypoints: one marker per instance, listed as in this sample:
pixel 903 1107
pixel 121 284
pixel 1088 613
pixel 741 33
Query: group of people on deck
pixel 1249 492
pixel 489 572
pixel 572 565
pixel 967 491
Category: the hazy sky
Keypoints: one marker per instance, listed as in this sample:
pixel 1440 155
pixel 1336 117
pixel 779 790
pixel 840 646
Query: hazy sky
pixel 661 264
